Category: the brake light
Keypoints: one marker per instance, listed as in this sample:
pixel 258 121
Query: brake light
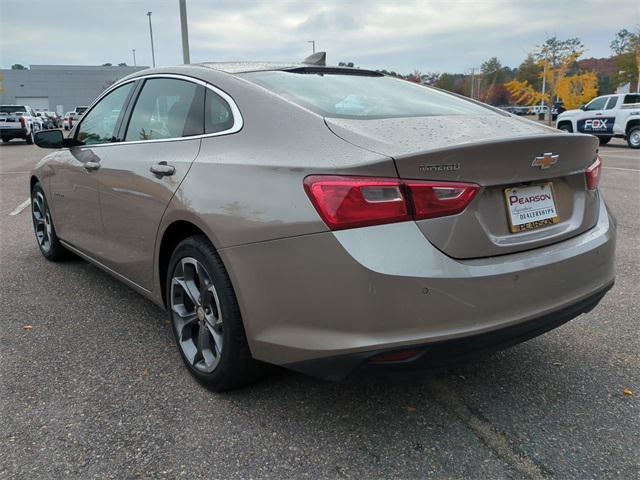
pixel 23 122
pixel 348 202
pixel 594 173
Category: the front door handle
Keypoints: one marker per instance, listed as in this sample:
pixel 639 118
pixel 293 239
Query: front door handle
pixel 162 169
pixel 91 166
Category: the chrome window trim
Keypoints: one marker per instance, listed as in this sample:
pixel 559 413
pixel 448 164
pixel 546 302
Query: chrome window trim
pixel 238 121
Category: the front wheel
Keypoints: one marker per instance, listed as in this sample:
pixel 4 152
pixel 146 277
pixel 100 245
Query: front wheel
pixel 604 140
pixel 633 137
pixel 48 242
pixel 29 138
pixel 566 127
pixel 205 316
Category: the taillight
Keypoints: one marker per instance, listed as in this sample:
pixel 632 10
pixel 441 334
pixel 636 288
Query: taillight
pixel 23 122
pixel 593 174
pixel 437 199
pixel 348 202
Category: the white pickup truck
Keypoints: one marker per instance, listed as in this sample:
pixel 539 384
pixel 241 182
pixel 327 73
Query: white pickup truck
pixel 606 117
pixel 18 121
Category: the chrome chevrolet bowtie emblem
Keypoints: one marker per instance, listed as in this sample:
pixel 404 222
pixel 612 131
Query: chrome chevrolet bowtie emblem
pixel 545 161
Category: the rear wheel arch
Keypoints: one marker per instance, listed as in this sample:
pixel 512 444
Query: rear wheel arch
pixel 33 182
pixel 175 233
pixel 630 125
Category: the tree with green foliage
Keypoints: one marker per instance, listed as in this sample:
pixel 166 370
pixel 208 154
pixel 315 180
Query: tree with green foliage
pixel 626 46
pixel 531 72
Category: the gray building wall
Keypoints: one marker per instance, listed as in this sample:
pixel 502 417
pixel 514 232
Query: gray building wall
pixel 62 87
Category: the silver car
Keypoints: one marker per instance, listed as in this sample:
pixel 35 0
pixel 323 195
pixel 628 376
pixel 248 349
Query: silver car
pixel 329 220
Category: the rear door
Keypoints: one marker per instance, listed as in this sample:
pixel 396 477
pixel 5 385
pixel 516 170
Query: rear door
pixel 138 177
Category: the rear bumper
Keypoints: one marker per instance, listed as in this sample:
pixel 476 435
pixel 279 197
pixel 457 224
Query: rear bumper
pixel 438 354
pixel 13 132
pixel 356 293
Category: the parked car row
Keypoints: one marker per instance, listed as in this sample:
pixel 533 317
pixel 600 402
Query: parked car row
pixel 556 109
pixel 22 121
pixel 49 119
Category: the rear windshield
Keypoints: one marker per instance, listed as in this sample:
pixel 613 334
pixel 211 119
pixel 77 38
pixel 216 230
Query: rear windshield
pixel 12 108
pixel 360 96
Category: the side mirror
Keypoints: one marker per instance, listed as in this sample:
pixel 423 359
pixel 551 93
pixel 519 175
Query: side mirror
pixel 49 139
pixel 53 139
pixel 583 107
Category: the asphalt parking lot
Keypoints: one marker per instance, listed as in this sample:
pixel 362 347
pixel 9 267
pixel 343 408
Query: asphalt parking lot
pixel 95 388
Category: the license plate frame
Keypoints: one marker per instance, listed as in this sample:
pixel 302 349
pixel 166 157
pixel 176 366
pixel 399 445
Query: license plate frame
pixel 531 209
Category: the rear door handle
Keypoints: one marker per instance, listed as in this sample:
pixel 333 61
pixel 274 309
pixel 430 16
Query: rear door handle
pixel 162 169
pixel 91 166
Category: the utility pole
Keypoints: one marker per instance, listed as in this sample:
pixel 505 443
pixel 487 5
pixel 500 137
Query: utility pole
pixel 473 81
pixel 153 53
pixel 313 44
pixel 134 57
pixel 185 32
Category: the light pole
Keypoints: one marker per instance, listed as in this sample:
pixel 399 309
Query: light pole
pixel 313 45
pixel 153 53
pixel 134 56
pixel 185 32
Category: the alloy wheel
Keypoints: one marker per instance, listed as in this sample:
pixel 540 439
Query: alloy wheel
pixel 196 314
pixel 42 222
pixel 634 138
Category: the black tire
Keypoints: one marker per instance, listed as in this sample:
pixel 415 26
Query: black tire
pixel 5 140
pixel 604 140
pixel 233 365
pixel 633 137
pixel 29 138
pixel 43 227
pixel 566 127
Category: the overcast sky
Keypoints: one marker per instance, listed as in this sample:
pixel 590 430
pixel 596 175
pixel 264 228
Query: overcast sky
pixel 405 35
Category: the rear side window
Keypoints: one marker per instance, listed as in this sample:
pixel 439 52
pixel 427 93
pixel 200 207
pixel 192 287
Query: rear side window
pixel 612 103
pixel 217 114
pixel 631 98
pixel 12 109
pixel 363 96
pixel 166 108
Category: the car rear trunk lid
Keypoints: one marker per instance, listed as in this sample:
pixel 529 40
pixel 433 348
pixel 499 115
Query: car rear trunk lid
pixel 496 153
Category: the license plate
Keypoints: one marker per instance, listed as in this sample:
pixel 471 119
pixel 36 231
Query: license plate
pixel 530 207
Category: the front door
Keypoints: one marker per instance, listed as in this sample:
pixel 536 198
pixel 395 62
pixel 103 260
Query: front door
pixel 139 176
pixel 594 120
pixel 74 185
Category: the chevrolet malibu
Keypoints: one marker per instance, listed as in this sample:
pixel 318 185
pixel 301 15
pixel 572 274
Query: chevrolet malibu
pixel 330 220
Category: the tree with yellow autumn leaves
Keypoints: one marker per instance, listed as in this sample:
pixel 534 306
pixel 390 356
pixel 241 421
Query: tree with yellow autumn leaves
pixel 557 58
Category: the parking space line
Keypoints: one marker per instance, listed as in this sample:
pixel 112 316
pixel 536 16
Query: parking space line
pixel 625 169
pixel 604 154
pixel 15 173
pixel 20 207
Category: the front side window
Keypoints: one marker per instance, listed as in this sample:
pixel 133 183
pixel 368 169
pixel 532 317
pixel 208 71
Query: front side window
pixel 166 108
pixel 362 96
pixel 98 126
pixel 597 104
pixel 612 103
